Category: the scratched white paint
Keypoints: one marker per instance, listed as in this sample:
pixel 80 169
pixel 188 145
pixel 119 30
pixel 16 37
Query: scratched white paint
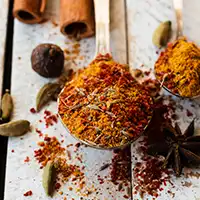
pixel 143 17
pixel 22 177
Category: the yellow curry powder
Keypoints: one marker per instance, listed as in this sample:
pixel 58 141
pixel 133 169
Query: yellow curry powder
pixel 179 67
pixel 105 105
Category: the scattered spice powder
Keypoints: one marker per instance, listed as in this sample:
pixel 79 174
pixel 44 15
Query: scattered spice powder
pixel 51 150
pixel 29 193
pixel 178 67
pixel 121 166
pixel 105 105
pixel 50 119
pixel 150 177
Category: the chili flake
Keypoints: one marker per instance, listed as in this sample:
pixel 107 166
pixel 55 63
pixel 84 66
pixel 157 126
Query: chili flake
pixel 32 110
pixel 29 193
pixel 27 159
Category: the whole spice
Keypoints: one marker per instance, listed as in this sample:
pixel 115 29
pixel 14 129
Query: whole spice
pixel 77 24
pixel 94 109
pixel 47 60
pixel 6 106
pixel 162 34
pixel 30 12
pixel 49 177
pixel 105 166
pixel 178 68
pixel 179 149
pixel 45 94
pixel 15 128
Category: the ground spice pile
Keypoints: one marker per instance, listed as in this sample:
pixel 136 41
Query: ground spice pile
pixel 105 105
pixel 51 150
pixel 179 67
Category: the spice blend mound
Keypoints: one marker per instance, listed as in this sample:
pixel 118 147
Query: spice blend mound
pixel 105 105
pixel 178 67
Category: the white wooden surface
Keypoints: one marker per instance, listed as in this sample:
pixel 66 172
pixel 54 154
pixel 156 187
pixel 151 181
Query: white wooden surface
pixel 22 177
pixel 143 17
pixel 3 22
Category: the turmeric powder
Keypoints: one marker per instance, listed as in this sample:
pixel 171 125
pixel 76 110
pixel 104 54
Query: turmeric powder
pixel 179 68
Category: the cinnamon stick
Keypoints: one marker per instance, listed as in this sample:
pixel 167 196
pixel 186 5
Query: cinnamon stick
pixel 77 18
pixel 29 11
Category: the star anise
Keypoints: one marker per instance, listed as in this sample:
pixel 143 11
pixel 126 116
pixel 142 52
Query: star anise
pixel 179 149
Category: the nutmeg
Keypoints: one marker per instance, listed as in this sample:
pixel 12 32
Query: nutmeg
pixel 47 60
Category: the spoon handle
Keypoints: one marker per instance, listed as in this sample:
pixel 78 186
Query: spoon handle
pixel 178 6
pixel 102 18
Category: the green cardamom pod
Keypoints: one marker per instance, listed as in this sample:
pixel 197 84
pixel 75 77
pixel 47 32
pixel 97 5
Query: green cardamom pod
pixel 48 179
pixel 45 94
pixel 6 106
pixel 162 34
pixel 15 128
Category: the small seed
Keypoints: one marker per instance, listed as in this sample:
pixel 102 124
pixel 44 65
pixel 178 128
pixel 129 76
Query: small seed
pixel 128 190
pixel 45 94
pixel 105 166
pixel 6 106
pixel 120 186
pixel 162 34
pixel 15 128
pixel 48 179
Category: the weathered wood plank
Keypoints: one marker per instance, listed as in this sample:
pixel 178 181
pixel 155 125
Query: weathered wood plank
pixel 143 17
pixel 26 83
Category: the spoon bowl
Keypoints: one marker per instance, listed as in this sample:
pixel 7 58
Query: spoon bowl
pixel 178 6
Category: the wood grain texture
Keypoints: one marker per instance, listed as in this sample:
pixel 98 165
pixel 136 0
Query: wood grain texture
pixel 143 17
pixel 20 176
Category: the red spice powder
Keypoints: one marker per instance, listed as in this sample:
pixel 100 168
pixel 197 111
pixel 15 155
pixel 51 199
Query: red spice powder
pixel 121 166
pixel 29 193
pixel 149 176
